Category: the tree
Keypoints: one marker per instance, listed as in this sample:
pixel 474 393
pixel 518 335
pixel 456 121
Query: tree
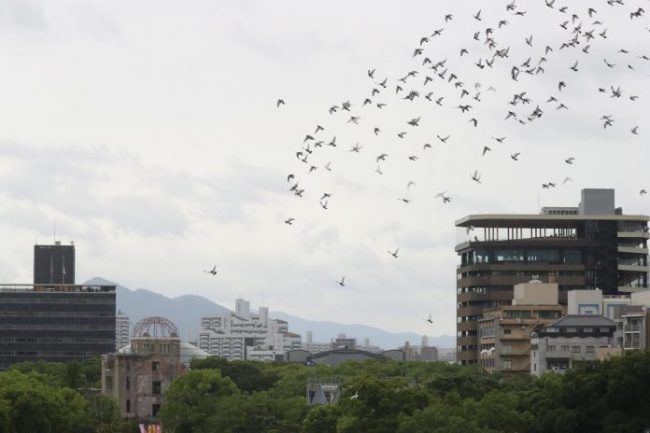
pixel 193 398
pixel 28 403
pixel 249 376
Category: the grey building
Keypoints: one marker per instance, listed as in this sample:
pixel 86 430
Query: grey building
pixel 55 322
pixel 54 264
pixel 592 245
pixel 568 341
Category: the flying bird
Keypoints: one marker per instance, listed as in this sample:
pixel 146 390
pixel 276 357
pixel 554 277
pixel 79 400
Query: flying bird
pixel 212 271
pixel 393 253
pixel 279 102
pixel 289 221
pixel 342 282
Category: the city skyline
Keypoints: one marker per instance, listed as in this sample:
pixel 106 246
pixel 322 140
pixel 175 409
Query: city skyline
pixel 155 142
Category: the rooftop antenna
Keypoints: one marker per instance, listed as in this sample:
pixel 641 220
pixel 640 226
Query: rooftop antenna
pixel 54 228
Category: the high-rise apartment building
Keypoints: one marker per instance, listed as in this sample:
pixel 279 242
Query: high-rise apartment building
pixel 593 245
pixel 122 330
pixel 55 322
pixel 54 264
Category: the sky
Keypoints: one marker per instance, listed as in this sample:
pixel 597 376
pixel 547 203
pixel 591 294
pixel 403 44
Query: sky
pixel 147 132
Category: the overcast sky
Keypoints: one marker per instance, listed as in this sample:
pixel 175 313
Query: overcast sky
pixel 148 130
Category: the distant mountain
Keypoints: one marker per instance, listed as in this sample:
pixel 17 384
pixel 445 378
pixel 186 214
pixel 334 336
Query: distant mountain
pixel 186 312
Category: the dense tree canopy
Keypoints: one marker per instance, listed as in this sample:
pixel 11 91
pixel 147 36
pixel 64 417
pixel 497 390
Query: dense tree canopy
pixel 375 397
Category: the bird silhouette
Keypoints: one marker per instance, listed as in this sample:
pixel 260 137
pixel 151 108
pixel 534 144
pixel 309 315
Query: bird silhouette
pixel 212 271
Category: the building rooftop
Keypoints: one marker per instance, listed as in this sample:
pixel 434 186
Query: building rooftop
pixel 68 288
pixel 538 220
pixel 582 320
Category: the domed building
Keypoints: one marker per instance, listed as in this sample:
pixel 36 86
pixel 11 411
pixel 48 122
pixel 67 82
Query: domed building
pixel 138 375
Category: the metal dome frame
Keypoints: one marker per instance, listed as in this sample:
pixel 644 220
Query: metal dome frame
pixel 155 327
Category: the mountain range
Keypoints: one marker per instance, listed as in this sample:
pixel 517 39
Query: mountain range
pixel 186 312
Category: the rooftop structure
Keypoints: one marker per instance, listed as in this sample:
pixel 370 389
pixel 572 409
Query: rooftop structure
pixel 593 245
pixel 54 264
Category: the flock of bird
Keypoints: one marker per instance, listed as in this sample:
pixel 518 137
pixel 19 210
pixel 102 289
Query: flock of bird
pixel 431 79
pixel 582 30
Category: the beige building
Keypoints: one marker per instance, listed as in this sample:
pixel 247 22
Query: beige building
pixel 504 332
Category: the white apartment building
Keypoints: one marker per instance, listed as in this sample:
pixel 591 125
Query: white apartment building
pixel 245 335
pixel 122 330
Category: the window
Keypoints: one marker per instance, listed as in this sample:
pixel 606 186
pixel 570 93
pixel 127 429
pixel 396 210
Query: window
pixel 155 409
pixel 550 348
pixel 155 387
pixel 109 383
pixel 544 256
pixel 128 382
pixel 590 349
pixel 575 349
pixel 509 255
pixel 507 331
pixel 155 366
pixel 507 364
pixel 128 405
pixel 564 348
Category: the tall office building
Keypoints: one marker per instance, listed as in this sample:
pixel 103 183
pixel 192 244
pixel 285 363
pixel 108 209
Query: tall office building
pixel 593 245
pixel 55 322
pixel 54 264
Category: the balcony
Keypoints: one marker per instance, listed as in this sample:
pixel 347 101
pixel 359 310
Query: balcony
pixel 633 288
pixel 634 268
pixel 632 250
pixel 634 234
pixel 469 311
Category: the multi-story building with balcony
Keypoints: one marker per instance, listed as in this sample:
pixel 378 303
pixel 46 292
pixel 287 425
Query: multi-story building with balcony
pixel 569 341
pixel 593 245
pixel 504 332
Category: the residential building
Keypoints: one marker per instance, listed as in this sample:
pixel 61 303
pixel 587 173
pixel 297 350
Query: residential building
pixel 428 354
pixel 242 333
pixel 55 322
pixel 635 327
pixel 122 330
pixel 139 375
pixel 569 341
pixel 504 332
pixel 54 264
pixel 593 245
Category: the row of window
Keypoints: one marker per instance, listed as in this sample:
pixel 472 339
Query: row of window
pixel 573 349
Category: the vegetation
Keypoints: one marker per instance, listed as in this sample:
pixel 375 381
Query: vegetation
pixel 376 397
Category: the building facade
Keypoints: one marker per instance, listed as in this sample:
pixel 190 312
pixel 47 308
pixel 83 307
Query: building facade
pixel 241 334
pixel 55 322
pixel 593 245
pixel 569 341
pixel 54 264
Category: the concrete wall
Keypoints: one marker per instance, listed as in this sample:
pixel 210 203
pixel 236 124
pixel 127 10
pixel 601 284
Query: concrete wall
pixel 641 298
pixel 535 294
pixel 597 202
pixel 585 302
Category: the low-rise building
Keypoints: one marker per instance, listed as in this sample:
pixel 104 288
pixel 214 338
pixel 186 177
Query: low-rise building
pixel 568 341
pixel 504 332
